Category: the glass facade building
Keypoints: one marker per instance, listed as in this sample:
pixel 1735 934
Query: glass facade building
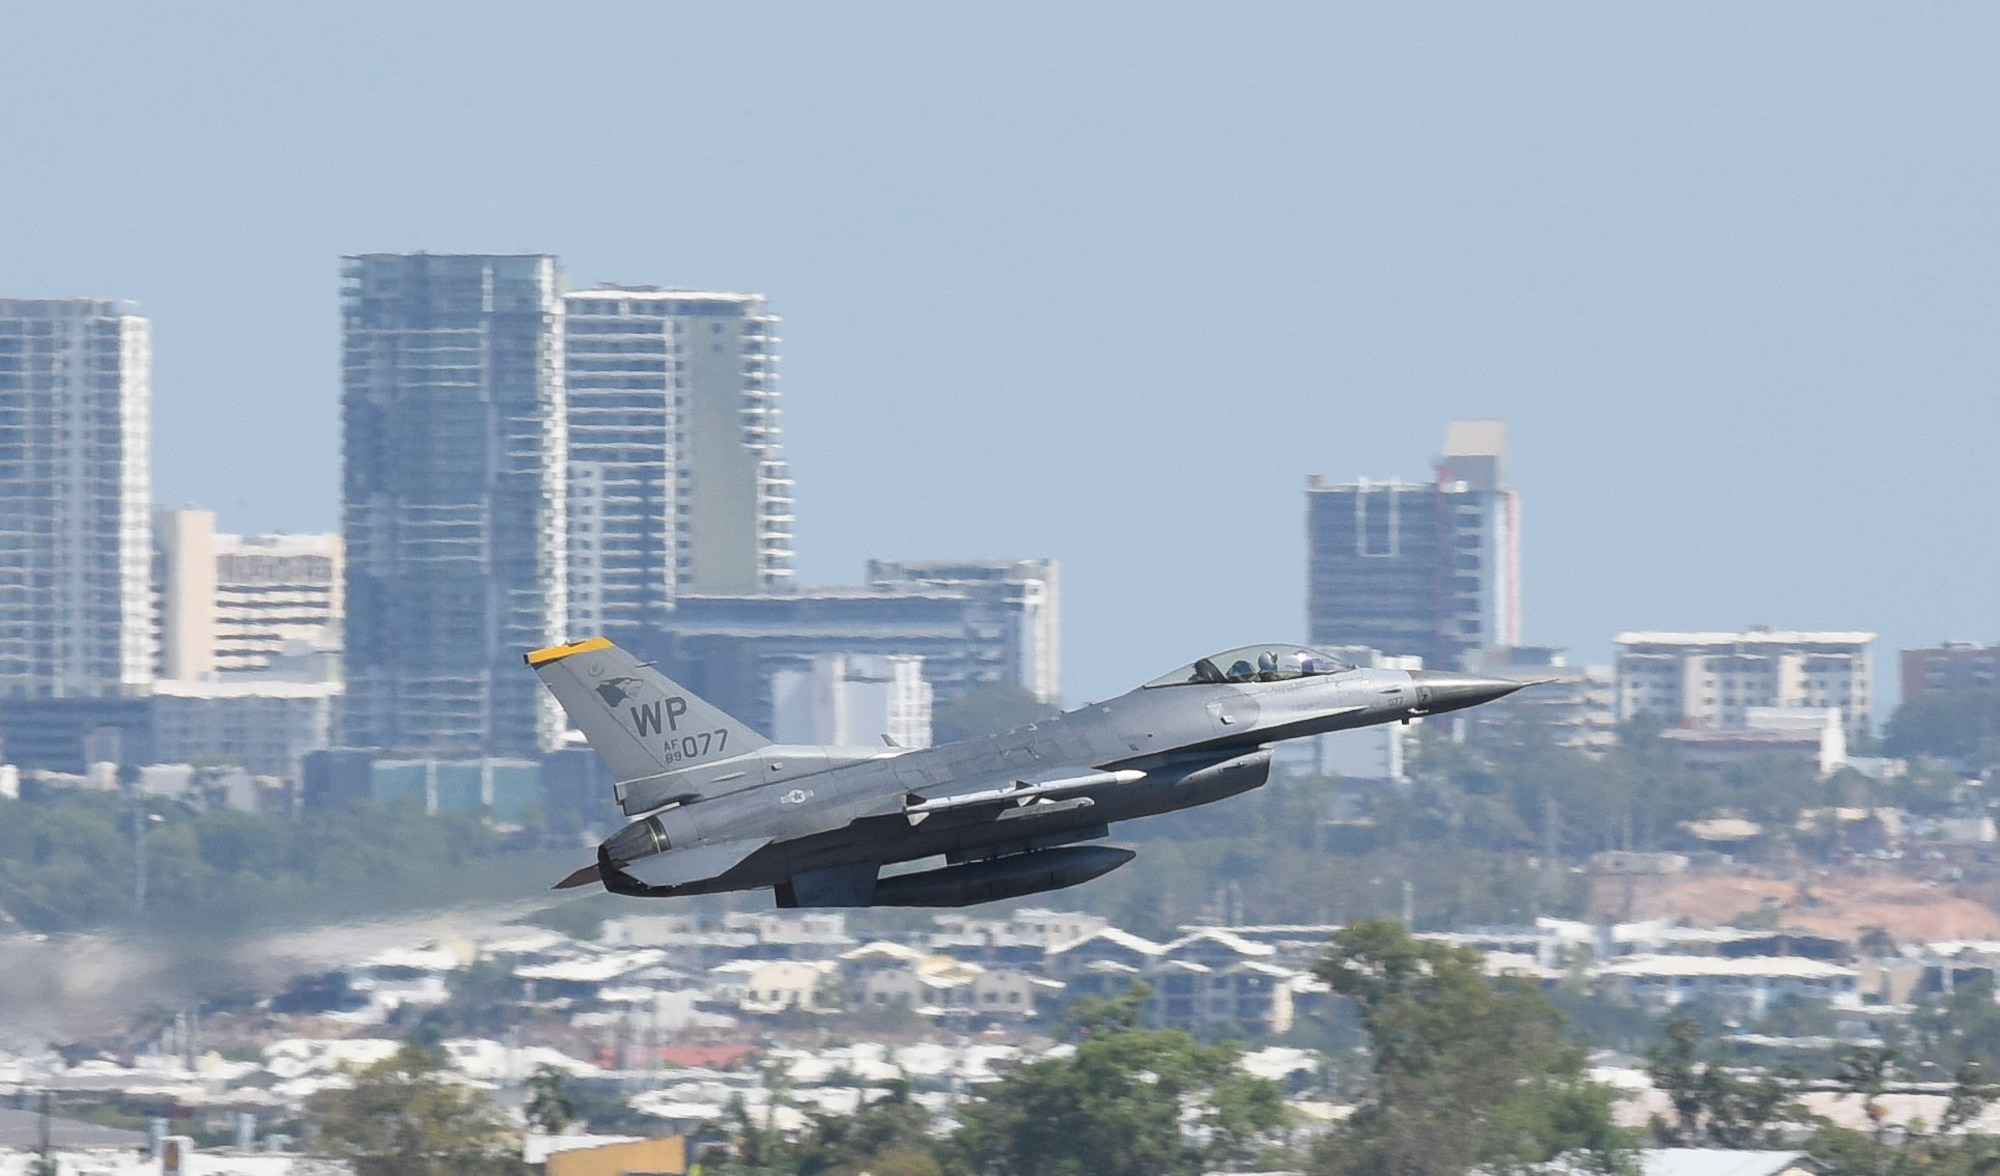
pixel 453 499
pixel 677 482
pixel 76 618
pixel 1429 570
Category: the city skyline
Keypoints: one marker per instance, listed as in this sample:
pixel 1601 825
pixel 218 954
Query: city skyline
pixel 1471 463
pixel 1727 277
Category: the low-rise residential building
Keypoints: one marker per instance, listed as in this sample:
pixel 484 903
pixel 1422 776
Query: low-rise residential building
pixel 1024 937
pixel 1011 992
pixel 1576 706
pixel 585 977
pixel 266 727
pixel 935 985
pixel 1810 733
pixel 1711 679
pixel 1107 945
pixel 1248 996
pixel 770 986
pixel 1217 947
pixel 1952 667
pixel 1745 987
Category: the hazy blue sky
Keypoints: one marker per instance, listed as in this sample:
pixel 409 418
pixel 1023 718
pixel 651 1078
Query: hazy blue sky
pixel 1107 282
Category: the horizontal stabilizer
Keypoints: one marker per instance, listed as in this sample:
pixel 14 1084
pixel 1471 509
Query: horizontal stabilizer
pixel 697 863
pixel 583 877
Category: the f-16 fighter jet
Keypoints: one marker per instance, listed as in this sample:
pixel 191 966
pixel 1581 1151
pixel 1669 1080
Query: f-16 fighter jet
pixel 720 807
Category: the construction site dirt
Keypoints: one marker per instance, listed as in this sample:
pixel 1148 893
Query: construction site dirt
pixel 1843 901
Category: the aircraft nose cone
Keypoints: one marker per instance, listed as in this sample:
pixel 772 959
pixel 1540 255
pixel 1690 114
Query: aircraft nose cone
pixel 1450 691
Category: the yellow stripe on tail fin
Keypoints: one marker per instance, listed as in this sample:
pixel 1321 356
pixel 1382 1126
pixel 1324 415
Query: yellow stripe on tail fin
pixel 557 652
pixel 642 722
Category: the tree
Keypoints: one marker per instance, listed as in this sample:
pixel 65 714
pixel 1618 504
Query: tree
pixel 1468 1073
pixel 1962 1027
pixel 404 1117
pixel 1944 1148
pixel 550 1106
pixel 1116 1106
pixel 1712 1107
pixel 1962 724
pixel 887 1137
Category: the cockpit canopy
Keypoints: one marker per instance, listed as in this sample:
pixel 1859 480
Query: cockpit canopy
pixel 1255 663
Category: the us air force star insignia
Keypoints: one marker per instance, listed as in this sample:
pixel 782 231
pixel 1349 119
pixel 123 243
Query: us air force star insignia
pixel 796 796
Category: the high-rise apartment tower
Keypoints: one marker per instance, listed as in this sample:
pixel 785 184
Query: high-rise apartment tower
pixel 1424 569
pixel 76 546
pixel 677 482
pixel 453 487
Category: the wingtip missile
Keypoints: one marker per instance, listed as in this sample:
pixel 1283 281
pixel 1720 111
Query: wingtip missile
pixel 916 808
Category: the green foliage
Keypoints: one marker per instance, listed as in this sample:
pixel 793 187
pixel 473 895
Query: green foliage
pixel 550 1107
pixel 1931 791
pixel 1271 857
pixel 1115 1107
pixel 1712 1106
pixel 1603 1022
pixel 403 1118
pixel 578 918
pixel 1945 1034
pixel 52 863
pixel 1959 725
pixel 1636 795
pixel 602 1104
pixel 67 863
pixel 986 708
pixel 1940 1149
pixel 1715 1107
pixel 479 1003
pixel 1468 1072
pixel 887 1137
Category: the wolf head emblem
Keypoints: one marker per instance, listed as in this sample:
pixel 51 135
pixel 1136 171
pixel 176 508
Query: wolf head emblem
pixel 614 691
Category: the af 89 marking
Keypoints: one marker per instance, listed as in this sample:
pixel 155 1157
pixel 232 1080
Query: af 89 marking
pixel 695 746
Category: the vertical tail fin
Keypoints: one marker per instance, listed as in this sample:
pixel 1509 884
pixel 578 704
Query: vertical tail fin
pixel 637 718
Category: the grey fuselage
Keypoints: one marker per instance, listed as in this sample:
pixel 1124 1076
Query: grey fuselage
pixel 1194 743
